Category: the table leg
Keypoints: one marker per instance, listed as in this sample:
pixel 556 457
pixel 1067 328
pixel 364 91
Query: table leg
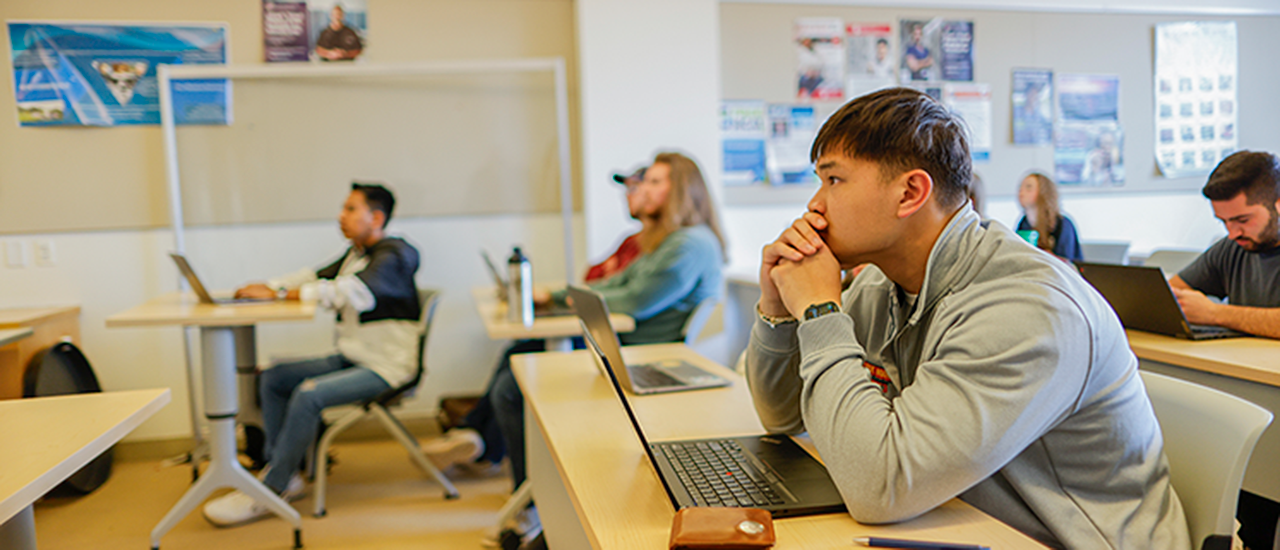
pixel 19 533
pixel 218 363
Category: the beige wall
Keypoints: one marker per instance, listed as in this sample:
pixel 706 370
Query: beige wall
pixel 113 178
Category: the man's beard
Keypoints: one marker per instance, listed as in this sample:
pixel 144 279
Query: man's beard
pixel 1268 238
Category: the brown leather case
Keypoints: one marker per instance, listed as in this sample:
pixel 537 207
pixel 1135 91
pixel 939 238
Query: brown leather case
pixel 697 528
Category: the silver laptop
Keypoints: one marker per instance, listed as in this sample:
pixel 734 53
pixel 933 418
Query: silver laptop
pixel 198 287
pixel 658 377
pixel 1142 298
pixel 500 282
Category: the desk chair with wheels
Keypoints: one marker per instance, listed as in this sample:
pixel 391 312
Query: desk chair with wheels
pixel 377 407
pixel 1208 437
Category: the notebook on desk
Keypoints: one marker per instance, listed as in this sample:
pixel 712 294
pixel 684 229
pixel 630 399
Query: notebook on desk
pixel 201 293
pixel 500 282
pixel 659 377
pixel 1141 296
pixel 770 472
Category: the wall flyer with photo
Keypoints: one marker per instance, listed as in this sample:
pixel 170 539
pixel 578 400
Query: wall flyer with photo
pixel 1089 140
pixel 1032 102
pixel 972 102
pixel 820 58
pixel 791 132
pixel 873 59
pixel 1195 96
pixel 742 142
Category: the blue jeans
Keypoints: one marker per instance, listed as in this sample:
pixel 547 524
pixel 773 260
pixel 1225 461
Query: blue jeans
pixel 293 394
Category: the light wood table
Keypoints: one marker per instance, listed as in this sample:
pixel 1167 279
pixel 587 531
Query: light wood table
pixel 11 335
pixel 227 347
pixel 557 330
pixel 49 325
pixel 595 487
pixel 47 439
pixel 1246 367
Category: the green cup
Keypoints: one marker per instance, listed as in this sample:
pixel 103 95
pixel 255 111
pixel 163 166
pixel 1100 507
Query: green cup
pixel 1030 235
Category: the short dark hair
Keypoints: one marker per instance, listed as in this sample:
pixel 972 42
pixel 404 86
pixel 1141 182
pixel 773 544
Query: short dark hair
pixel 377 197
pixel 882 41
pixel 1254 173
pixel 902 129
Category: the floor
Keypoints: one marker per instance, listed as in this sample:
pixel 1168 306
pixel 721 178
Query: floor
pixel 377 499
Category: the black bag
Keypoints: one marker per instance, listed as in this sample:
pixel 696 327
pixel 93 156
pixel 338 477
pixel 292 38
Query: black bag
pixel 62 370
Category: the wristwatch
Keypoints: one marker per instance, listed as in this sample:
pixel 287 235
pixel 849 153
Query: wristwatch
pixel 818 310
pixel 282 293
pixel 772 321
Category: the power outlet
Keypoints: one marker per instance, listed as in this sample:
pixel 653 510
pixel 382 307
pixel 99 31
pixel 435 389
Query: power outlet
pixel 16 254
pixel 46 255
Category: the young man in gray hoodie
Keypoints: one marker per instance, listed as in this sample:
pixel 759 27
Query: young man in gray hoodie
pixel 962 362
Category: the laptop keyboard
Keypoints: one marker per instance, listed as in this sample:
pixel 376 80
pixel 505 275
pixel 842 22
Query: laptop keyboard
pixel 646 376
pixel 716 474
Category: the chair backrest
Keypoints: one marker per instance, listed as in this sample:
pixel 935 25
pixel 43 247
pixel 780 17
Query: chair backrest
pixel 698 319
pixel 1171 261
pixel 429 298
pixel 1100 252
pixel 1208 438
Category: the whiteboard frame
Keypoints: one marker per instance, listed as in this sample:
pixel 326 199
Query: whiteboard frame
pixel 555 65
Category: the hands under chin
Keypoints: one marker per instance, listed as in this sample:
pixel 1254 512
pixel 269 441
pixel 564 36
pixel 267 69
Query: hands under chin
pixel 812 280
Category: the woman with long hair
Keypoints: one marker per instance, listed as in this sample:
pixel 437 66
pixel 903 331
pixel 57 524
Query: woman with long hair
pixel 1042 212
pixel 678 266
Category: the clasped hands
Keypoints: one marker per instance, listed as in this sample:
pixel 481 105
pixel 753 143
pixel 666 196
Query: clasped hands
pixel 1197 307
pixel 798 269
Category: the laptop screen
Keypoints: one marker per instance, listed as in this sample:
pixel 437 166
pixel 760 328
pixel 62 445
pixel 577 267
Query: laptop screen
pixel 594 314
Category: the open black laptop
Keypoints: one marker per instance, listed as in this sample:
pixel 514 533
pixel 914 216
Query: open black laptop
pixel 770 472
pixel 658 377
pixel 1142 298
pixel 201 293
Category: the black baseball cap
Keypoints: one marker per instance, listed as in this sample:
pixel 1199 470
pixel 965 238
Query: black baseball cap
pixel 634 176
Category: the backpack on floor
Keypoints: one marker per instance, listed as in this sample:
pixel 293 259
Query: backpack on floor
pixel 62 370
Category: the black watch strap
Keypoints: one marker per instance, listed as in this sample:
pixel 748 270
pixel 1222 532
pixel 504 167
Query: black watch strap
pixel 818 310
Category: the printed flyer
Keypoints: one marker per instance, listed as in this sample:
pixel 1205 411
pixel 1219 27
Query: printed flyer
pixel 742 139
pixel 820 58
pixel 972 102
pixel 1089 144
pixel 1032 100
pixel 1195 103
pixel 791 132
pixel 873 63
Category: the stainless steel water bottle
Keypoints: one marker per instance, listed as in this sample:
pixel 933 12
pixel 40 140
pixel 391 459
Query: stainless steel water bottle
pixel 519 288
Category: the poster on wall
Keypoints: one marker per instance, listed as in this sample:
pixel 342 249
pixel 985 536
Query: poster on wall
pixel 284 31
pixel 919 47
pixel 957 51
pixel 104 74
pixel 972 102
pixel 820 58
pixel 791 132
pixel 1089 141
pixel 873 62
pixel 742 141
pixel 1195 103
pixel 1032 101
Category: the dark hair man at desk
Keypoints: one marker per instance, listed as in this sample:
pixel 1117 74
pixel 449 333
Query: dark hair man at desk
pixel 371 287
pixel 962 362
pixel 1244 267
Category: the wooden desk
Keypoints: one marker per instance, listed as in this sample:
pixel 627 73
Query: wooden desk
pixel 596 489
pixel 557 330
pixel 49 325
pixel 1245 367
pixel 46 439
pixel 227 346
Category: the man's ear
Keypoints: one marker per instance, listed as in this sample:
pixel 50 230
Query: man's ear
pixel 379 219
pixel 916 188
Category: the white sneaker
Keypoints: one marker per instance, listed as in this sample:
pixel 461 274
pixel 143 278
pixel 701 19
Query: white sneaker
pixel 237 508
pixel 456 446
pixel 527 526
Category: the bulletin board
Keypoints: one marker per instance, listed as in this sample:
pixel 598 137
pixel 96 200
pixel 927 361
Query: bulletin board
pixel 758 61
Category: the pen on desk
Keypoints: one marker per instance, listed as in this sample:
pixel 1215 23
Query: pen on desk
pixel 881 542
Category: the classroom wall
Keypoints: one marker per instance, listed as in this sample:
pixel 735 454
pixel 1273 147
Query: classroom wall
pixel 106 271
pixel 758 63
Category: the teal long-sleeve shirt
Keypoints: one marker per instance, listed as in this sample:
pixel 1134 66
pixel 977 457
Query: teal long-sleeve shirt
pixel 660 289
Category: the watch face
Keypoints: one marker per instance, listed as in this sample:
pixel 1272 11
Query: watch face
pixel 818 310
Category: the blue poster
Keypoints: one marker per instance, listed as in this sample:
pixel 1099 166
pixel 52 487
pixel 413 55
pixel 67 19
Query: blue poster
pixel 102 74
pixel 957 51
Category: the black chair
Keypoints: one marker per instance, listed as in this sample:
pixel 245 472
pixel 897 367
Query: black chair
pixel 377 406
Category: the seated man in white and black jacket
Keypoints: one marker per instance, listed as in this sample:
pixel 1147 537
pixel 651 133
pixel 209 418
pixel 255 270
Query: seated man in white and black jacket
pixel 371 287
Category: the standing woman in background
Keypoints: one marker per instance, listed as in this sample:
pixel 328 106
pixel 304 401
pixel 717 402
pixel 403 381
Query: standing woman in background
pixel 1041 211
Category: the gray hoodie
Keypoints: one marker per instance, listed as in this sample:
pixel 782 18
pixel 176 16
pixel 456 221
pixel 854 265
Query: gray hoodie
pixel 1007 382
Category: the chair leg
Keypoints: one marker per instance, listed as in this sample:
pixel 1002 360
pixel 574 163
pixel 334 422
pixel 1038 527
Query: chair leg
pixel 320 463
pixel 415 451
